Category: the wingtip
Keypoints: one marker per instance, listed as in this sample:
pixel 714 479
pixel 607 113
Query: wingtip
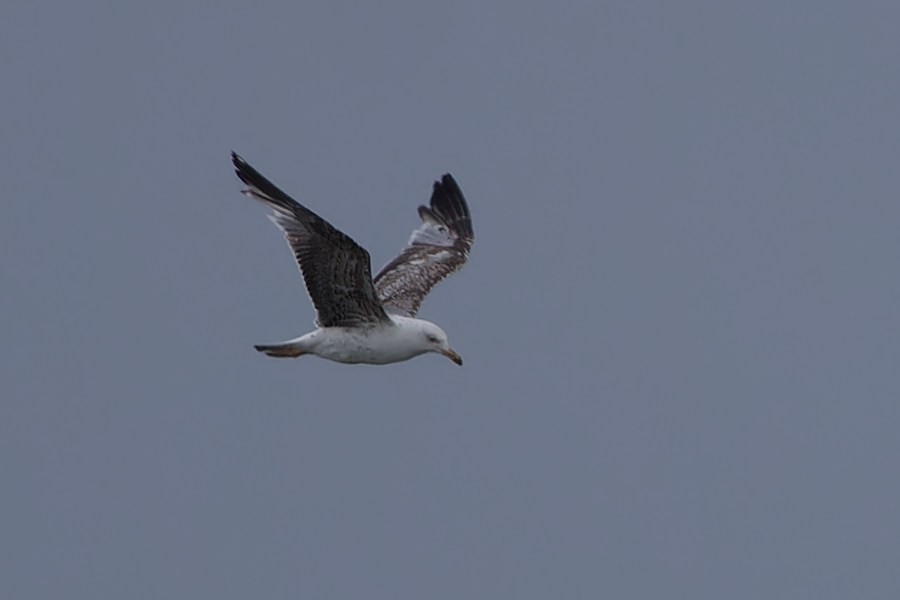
pixel 246 173
pixel 258 187
pixel 448 201
pixel 447 186
pixel 240 165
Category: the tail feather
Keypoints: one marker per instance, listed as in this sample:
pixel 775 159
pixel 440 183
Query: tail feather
pixel 286 350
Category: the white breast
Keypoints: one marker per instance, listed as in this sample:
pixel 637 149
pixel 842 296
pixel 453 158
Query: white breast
pixel 377 345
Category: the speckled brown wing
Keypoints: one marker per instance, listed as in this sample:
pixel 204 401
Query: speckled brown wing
pixel 336 270
pixel 439 247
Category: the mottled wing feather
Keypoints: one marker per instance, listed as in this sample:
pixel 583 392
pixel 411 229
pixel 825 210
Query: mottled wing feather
pixel 336 270
pixel 439 247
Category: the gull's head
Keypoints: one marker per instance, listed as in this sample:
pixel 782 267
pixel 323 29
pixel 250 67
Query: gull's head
pixel 436 341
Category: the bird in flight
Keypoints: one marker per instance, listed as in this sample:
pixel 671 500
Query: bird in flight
pixel 360 319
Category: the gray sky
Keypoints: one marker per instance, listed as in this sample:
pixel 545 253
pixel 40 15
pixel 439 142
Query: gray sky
pixel 680 318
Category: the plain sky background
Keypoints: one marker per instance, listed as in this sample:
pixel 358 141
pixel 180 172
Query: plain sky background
pixel 680 317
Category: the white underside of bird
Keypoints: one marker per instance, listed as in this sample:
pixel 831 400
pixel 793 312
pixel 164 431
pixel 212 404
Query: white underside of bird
pixel 402 339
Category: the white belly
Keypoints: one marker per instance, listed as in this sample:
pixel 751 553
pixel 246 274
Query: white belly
pixel 377 346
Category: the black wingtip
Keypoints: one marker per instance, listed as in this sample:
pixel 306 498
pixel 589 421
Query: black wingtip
pixel 244 171
pixel 237 161
pixel 259 186
pixel 448 201
pixel 447 179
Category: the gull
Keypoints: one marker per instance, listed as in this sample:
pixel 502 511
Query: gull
pixel 360 319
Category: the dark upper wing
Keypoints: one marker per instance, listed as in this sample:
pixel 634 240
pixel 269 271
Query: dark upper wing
pixel 436 249
pixel 336 269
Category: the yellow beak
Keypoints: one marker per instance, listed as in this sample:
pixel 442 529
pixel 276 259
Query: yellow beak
pixel 453 356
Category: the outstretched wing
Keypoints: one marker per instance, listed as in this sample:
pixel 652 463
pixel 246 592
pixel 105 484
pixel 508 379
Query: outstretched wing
pixel 336 270
pixel 439 247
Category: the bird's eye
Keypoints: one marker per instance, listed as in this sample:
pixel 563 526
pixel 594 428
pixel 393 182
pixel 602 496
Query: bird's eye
pixel 432 339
